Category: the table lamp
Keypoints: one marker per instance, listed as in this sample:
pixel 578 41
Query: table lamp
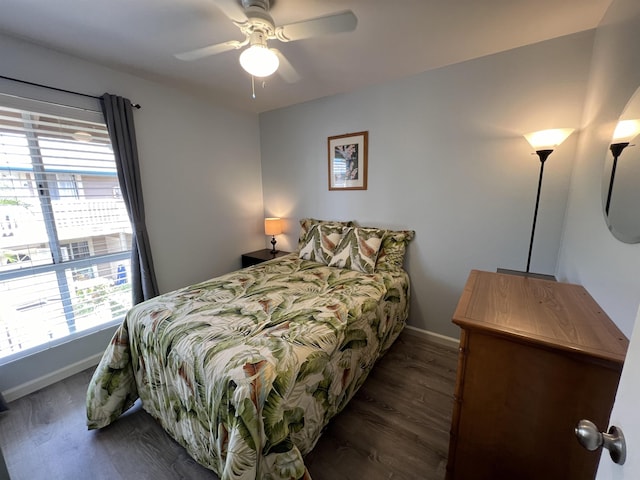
pixel 273 227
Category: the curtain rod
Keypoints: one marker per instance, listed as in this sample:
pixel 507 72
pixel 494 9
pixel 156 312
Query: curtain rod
pixel 133 105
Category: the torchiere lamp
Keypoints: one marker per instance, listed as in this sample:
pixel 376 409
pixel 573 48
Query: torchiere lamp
pixel 625 131
pixel 273 227
pixel 543 143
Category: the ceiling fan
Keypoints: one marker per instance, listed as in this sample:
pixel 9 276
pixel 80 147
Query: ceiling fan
pixel 253 19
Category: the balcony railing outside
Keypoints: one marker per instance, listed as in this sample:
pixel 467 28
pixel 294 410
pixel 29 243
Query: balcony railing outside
pixel 32 312
pixel 23 225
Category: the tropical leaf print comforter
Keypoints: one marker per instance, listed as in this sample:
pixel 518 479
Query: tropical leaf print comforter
pixel 245 370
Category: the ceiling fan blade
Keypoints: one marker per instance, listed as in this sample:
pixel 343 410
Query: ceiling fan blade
pixel 285 69
pixel 208 51
pixel 337 23
pixel 232 9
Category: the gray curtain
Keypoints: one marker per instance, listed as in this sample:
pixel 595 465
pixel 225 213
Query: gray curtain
pixel 118 115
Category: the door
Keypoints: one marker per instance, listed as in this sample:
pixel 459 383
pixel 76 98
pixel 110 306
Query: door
pixel 626 415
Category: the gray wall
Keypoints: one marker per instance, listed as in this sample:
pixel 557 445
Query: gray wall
pixel 590 255
pixel 200 167
pixel 446 159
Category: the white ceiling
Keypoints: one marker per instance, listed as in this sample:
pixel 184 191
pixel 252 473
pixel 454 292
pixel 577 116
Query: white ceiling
pixel 394 38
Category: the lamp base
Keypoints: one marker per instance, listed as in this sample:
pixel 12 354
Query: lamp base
pixel 540 276
pixel 273 245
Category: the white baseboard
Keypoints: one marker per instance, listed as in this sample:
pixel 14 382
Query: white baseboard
pixel 434 337
pixel 51 378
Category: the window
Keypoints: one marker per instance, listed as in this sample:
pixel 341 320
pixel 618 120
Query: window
pixel 62 186
pixel 65 237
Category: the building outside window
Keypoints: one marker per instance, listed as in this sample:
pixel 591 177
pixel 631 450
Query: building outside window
pixel 65 238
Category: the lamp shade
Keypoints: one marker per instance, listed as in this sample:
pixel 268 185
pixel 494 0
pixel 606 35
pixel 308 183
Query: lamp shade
pixel 626 130
pixel 259 61
pixel 272 226
pixel 548 139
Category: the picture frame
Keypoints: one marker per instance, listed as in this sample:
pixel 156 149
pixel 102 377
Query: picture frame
pixel 347 161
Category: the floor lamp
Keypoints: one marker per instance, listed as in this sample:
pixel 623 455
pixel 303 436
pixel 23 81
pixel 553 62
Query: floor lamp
pixel 616 150
pixel 543 142
pixel 625 131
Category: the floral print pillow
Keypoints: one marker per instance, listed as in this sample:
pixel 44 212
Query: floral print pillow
pixel 393 249
pixel 321 241
pixel 358 249
pixel 307 223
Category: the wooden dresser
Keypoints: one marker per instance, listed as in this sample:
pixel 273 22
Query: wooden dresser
pixel 536 356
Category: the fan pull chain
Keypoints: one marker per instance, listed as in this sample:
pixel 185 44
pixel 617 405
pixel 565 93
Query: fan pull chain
pixel 253 86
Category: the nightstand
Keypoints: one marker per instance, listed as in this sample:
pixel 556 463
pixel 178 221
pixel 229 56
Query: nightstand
pixel 259 256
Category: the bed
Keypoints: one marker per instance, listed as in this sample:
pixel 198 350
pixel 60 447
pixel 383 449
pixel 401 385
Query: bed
pixel 245 370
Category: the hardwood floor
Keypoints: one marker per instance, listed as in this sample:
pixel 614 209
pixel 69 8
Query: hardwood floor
pixel 397 426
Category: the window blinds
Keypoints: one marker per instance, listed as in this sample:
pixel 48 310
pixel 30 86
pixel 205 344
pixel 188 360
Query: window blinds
pixel 65 236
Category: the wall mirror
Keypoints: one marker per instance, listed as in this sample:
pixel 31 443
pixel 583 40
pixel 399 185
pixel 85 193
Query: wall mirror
pixel 621 179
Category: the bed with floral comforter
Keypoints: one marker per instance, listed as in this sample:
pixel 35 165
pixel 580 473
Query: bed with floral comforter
pixel 245 370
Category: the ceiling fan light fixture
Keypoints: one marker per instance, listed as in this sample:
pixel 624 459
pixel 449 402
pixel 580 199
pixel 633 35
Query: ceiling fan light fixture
pixel 81 136
pixel 259 61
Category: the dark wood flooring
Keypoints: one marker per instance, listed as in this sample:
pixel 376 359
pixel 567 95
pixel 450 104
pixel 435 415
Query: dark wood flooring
pixel 396 427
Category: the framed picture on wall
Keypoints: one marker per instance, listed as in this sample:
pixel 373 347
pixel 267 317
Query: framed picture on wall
pixel 348 161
